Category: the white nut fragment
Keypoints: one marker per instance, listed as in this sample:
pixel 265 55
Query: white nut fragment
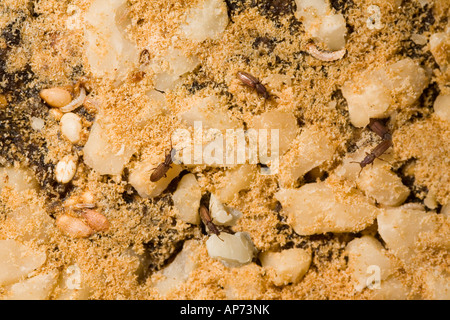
pixel 383 185
pixel 156 106
pixel 172 67
pixel 221 214
pixel 370 94
pixel 179 270
pixel 101 156
pixel 207 20
pixel 36 288
pixel 436 284
pixel 17 178
pixel 442 107
pixel 317 208
pixel 108 50
pixel 56 97
pixel 440 49
pixel 65 169
pixel 367 260
pixel 399 228
pixel 391 289
pixel 285 122
pixel 445 210
pixel 232 250
pixel 28 218
pixel 37 123
pixel 310 149
pixel 187 199
pixel 73 227
pixel 289 265
pixel 140 174
pixel 17 260
pixel 235 180
pixel 208 112
pixel 71 127
pixel 322 23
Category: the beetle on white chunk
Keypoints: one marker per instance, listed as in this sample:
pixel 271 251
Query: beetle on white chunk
pixel 140 174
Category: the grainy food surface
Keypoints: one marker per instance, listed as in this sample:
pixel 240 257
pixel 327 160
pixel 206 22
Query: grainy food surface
pixel 94 92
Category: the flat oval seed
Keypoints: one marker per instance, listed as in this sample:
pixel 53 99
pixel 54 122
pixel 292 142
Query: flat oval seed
pixel 56 97
pixel 65 170
pixel 73 227
pixel 96 220
pixel 71 127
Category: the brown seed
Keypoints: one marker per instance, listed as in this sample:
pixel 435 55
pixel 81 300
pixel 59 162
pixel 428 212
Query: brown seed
pixel 95 220
pixel 56 97
pixel 73 227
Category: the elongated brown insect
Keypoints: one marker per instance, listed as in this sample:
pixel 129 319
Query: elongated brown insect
pixel 375 153
pixel 207 220
pixel 253 82
pixel 161 170
pixel 376 126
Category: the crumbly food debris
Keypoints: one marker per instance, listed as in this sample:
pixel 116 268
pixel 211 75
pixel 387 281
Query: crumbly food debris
pixel 43 46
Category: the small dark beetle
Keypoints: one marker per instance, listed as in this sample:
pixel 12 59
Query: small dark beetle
pixel 375 153
pixel 161 170
pixel 376 126
pixel 253 82
pixel 207 220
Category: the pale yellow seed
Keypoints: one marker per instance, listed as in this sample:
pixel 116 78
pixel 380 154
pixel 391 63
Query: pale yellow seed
pixel 73 227
pixel 96 220
pixel 56 97
pixel 71 127
pixel 65 169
